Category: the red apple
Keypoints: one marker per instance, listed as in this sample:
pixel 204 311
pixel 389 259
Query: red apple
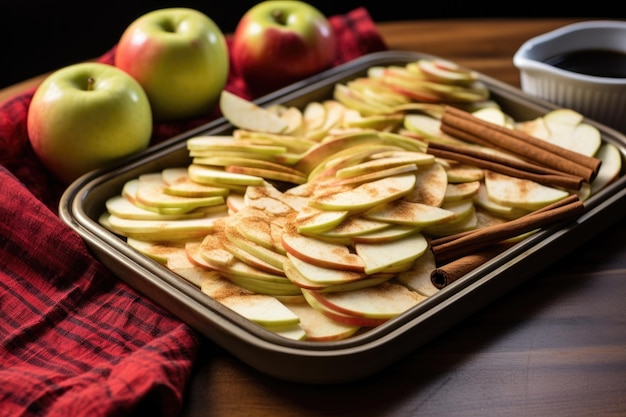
pixel 278 42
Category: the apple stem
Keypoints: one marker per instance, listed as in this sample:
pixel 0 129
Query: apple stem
pixel 279 17
pixel 90 83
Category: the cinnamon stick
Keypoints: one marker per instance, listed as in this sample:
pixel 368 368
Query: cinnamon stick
pixel 507 166
pixel 464 125
pixel 446 274
pixel 451 248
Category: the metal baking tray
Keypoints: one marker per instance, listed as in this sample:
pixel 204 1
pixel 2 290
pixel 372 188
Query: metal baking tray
pixel 364 354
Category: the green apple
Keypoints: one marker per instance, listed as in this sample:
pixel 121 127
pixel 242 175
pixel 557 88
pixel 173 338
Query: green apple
pixel 279 42
pixel 180 57
pixel 86 116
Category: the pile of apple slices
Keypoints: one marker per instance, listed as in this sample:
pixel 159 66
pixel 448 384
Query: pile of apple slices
pixel 315 223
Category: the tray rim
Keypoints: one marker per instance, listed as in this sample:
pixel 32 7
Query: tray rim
pixel 240 336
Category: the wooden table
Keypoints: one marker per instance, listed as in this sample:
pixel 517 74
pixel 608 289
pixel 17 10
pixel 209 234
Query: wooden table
pixel 555 346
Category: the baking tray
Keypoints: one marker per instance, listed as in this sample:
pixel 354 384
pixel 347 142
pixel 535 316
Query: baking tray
pixel 364 354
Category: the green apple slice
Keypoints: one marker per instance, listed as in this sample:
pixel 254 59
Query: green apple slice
pixel 382 163
pixel 292 115
pixel 207 175
pixel 610 168
pixel 482 199
pixel 375 175
pixel 311 220
pixel 521 193
pixel 269 174
pixel 177 182
pixel 367 195
pixel 391 233
pixel 154 195
pixel 159 230
pixel 466 220
pixel 458 172
pixel 246 114
pixel 261 309
pixel 382 256
pixel 383 301
pixel 461 191
pixel 410 214
pixel 417 277
pixel 120 206
pixel 319 327
pixel 210 145
pixel 354 226
pixel 262 252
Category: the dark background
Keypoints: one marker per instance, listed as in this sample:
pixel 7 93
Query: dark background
pixel 39 36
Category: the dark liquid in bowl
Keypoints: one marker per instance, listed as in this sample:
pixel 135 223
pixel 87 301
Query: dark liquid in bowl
pixel 595 62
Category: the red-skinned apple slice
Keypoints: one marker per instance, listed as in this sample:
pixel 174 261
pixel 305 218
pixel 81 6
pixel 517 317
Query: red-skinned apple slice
pixel 317 252
pixel 319 327
pixel 340 317
pixel 383 301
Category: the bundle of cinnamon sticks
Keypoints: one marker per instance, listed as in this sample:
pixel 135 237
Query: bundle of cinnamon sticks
pixel 534 159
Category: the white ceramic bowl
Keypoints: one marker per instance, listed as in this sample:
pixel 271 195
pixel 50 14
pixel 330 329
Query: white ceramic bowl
pixel 599 98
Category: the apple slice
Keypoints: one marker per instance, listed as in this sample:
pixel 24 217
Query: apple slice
pixel 154 195
pixel 367 195
pixel 211 145
pixel 335 315
pixel 353 226
pixel 322 275
pixel 466 220
pixel 482 199
pixel 292 115
pixel 270 256
pixel 445 71
pixel 610 168
pixel 431 182
pixel 177 182
pixel 382 256
pixel 383 163
pixel 461 191
pixel 391 233
pixel 521 193
pixel 410 214
pixel 206 175
pixel 320 253
pixel 268 174
pixel 375 175
pixel 120 206
pixel 319 327
pixel 311 220
pixel 314 115
pixel 246 114
pixel 417 277
pixel 458 172
pixel 383 301
pixel 160 230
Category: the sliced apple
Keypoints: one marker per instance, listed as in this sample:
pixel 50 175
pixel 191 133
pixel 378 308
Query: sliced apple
pixel 317 252
pixel 382 256
pixel 246 114
pixel 207 175
pixel 322 275
pixel 335 315
pixel 367 195
pixel 384 301
pixel 311 220
pixel 417 277
pixel 319 327
pixel 159 230
pixel 461 191
pixel 410 214
pixel 610 168
pixel 520 193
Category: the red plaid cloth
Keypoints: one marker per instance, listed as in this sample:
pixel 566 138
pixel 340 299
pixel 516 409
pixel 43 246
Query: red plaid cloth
pixel 74 339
